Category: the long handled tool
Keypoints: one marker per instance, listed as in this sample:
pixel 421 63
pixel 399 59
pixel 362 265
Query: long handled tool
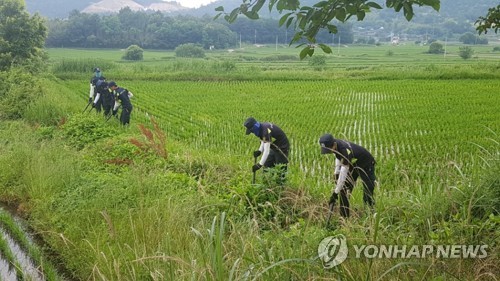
pixel 115 115
pixel 254 162
pixel 87 107
pixel 108 117
pixel 331 205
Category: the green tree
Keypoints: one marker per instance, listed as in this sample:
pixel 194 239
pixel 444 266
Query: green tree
pixel 472 39
pixel 468 38
pixel 318 62
pixel 465 52
pixel 189 50
pixel 218 35
pixel 22 37
pixel 309 20
pixel 133 52
pixel 436 48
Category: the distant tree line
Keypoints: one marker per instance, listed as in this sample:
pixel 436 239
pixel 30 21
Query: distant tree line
pixel 161 31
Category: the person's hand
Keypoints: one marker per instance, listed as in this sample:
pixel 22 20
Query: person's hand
pixel 256 167
pixel 90 100
pixel 333 199
pixel 93 104
pixel 257 153
pixel 115 112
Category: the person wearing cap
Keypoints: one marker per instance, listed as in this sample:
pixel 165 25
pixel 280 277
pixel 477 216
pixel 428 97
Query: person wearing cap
pixel 122 98
pixel 351 161
pixel 108 98
pixel 274 146
pixel 104 97
pixel 93 93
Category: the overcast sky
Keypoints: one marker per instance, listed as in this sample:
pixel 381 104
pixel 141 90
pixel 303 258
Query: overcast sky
pixel 192 3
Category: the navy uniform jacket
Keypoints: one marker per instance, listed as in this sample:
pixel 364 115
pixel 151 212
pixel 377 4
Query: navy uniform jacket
pixel 122 95
pixel 273 134
pixel 353 155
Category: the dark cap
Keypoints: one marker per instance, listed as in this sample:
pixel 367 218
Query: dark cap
pixel 112 83
pixel 249 124
pixel 326 141
pixel 97 69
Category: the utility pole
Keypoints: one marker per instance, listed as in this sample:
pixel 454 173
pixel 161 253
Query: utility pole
pixel 338 48
pixel 445 43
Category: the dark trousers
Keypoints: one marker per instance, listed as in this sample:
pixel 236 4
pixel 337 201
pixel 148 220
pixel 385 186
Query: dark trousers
pixel 107 104
pixel 277 159
pixel 125 115
pixel 367 175
pixel 98 105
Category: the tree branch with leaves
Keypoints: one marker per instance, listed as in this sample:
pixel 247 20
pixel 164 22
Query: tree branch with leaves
pixel 309 20
pixel 490 21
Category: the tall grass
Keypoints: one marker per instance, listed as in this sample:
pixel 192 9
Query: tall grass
pixel 82 66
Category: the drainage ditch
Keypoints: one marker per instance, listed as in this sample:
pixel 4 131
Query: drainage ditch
pixel 20 257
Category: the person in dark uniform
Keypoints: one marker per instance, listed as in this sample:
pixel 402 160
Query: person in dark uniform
pixel 122 98
pixel 274 146
pixel 104 97
pixel 351 161
pixel 107 96
pixel 93 93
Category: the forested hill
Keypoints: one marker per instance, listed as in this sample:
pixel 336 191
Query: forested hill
pixel 62 8
pixel 55 8
pixel 459 10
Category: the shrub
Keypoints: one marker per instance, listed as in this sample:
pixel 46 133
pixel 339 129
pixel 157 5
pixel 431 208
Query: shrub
pixel 472 39
pixel 84 129
pixel 18 89
pixel 133 52
pixel 361 41
pixel 496 49
pixel 224 66
pixel 189 50
pixel 465 52
pixel 318 62
pixel 436 48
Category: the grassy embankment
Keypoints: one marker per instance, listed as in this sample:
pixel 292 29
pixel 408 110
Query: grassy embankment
pixel 118 209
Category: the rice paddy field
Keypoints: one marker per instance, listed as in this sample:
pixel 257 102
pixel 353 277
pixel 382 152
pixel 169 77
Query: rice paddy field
pixel 420 132
pixel 116 206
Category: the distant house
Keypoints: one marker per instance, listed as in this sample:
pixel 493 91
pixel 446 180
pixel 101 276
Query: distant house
pixel 395 40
